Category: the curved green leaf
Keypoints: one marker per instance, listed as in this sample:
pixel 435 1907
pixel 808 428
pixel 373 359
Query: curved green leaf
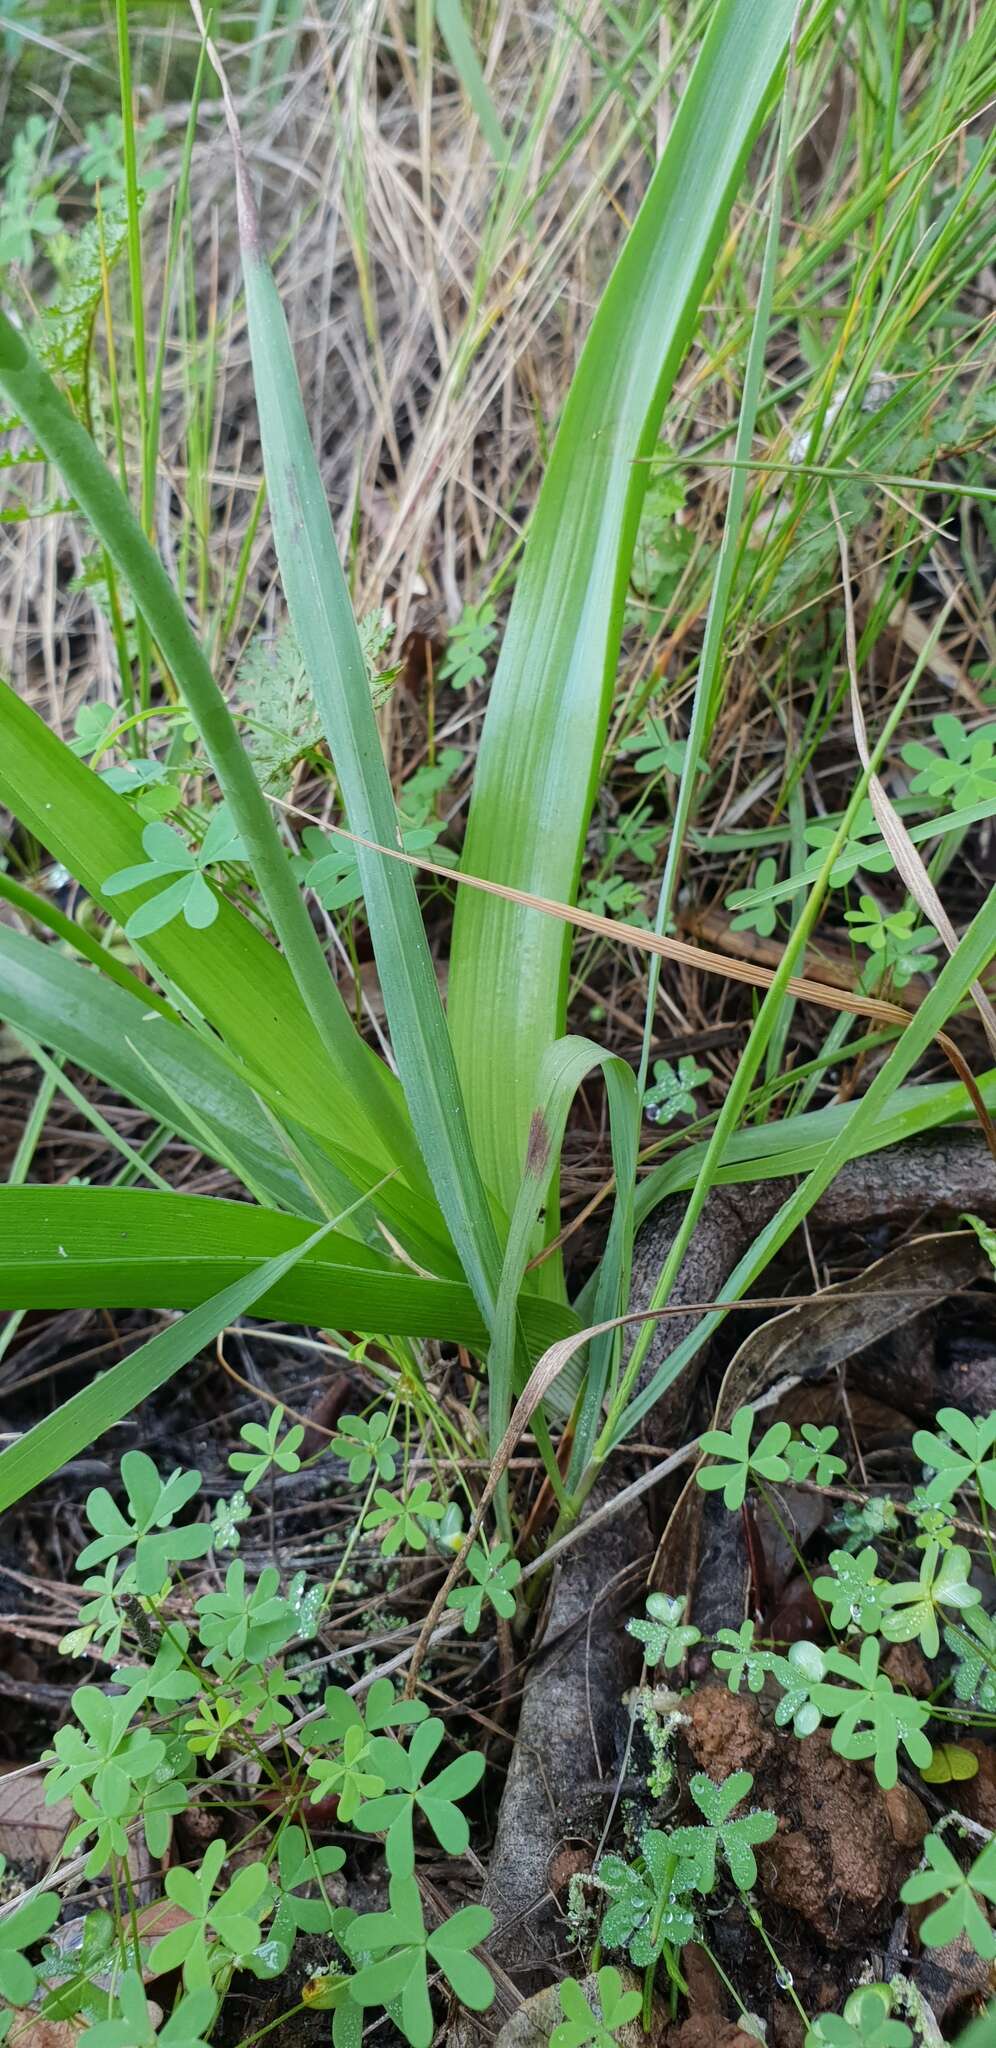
pixel 114 1394
pixel 233 976
pixel 38 402
pixel 186 1081
pixel 128 1248
pixel 550 698
pixel 322 616
pixel 103 1028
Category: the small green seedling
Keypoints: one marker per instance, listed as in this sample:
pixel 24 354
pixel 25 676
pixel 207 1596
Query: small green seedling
pixel 959 1912
pixel 189 895
pixel 739 1463
pixel 268 1450
pixel 494 1572
pixel 581 2026
pixel 665 1634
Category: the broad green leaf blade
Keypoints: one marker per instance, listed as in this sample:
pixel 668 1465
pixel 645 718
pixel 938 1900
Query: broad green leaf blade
pixel 230 973
pixel 794 1144
pixel 322 617
pixel 184 1079
pixel 550 698
pixel 127 1248
pixel 39 911
pixel 114 1394
pixel 98 1025
pixel 37 401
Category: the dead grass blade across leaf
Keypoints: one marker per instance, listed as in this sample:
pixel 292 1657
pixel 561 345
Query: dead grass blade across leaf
pixel 697 957
pixel 909 863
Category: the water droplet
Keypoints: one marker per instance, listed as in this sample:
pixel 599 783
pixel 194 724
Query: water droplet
pixel 784 1978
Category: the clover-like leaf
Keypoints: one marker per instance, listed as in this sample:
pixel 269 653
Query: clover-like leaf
pixel 403 1771
pixel 379 1708
pixel 959 1912
pixel 963 1455
pixel 228 1514
pixel 673 1090
pixel 102 1752
pixel 367 1446
pixel 740 1658
pixel 268 1449
pixel 348 1775
pixel 581 2025
pixel 152 1503
pixel 911 1607
pixel 810 1455
pixel 853 1590
pixel 754 915
pixel 864 2023
pixel 495 1572
pixel 188 895
pixel 736 1836
pixel 398 1976
pixel 401 1518
pixel 226 1926
pixel 738 1461
pixel 872 1718
pixel 665 1634
pixel 245 1622
pixel 963 772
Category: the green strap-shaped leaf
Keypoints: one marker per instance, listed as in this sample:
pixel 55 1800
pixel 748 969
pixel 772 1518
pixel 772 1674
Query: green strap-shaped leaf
pixel 187 1082
pixel 551 694
pixel 128 1248
pixel 96 1024
pixel 322 617
pixel 238 981
pixel 36 399
pixel 114 1394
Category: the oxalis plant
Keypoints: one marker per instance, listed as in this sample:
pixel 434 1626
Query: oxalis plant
pixel 194 1698
pixel 916 1584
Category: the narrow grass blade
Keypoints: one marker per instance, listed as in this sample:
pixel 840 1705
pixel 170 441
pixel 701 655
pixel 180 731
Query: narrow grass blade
pixel 550 697
pixel 975 951
pixel 322 617
pixel 467 65
pixel 125 1248
pixel 81 1420
pixel 708 683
